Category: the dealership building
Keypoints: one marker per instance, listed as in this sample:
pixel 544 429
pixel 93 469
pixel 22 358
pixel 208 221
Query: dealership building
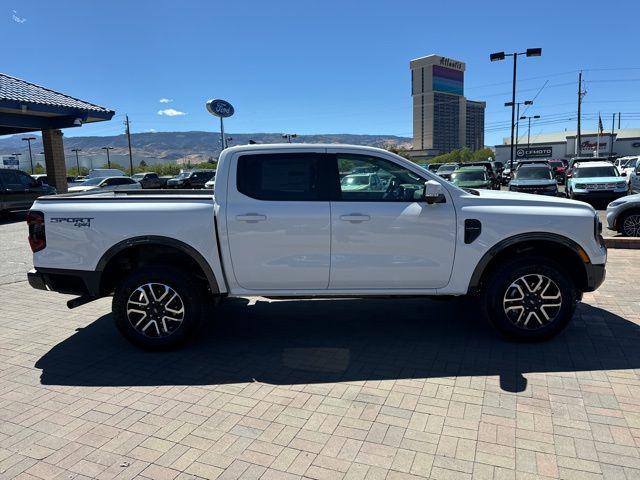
pixel 443 119
pixel 624 142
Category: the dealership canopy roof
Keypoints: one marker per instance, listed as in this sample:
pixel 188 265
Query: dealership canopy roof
pixel 560 137
pixel 27 107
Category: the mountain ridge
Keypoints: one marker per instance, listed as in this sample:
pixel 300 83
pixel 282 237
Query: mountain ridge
pixel 180 147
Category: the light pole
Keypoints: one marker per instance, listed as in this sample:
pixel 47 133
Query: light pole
pixel 495 57
pixel 508 104
pixel 524 117
pixel 108 159
pixel 77 160
pixel 289 136
pixel 28 140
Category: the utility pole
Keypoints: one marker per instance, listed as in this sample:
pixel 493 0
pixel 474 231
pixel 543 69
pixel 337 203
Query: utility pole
pixel 580 95
pixel 613 124
pixel 28 140
pixel 289 136
pixel 77 160
pixel 126 122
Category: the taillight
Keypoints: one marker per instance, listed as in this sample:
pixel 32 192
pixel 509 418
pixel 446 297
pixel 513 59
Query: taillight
pixel 37 237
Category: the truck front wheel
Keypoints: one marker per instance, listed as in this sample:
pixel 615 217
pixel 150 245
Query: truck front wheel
pixel 529 299
pixel 157 308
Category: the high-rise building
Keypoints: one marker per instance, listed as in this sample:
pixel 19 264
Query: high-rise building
pixel 443 119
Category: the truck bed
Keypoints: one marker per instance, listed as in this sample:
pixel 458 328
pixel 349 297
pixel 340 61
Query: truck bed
pixel 177 194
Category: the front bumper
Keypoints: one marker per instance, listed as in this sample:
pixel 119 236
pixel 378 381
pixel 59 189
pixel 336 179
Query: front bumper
pixel 551 193
pixel 595 276
pixel 599 195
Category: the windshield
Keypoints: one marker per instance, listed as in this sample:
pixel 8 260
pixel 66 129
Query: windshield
pixel 355 180
pixel 447 168
pixel 534 174
pixel 590 172
pixel 474 175
pixel 137 176
pixel 183 175
pixel 631 163
pixel 556 163
pixel 93 181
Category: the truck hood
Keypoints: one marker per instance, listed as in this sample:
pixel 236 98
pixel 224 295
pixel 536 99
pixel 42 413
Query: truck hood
pixel 80 188
pixel 504 198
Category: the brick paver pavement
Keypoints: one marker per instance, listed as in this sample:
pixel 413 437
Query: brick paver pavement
pixel 342 389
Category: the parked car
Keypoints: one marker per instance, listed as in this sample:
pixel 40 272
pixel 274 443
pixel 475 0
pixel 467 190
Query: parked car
pixel 559 168
pixel 535 178
pixel 19 190
pixel 505 176
pixel 191 179
pixel 445 170
pixel 488 166
pixel 104 172
pixel 106 184
pixel 471 177
pixel 42 178
pixel 634 180
pixel 623 215
pixel 361 182
pixel 148 180
pixel 498 166
pixel 281 225
pixel 596 180
pixel 629 167
pixel 433 167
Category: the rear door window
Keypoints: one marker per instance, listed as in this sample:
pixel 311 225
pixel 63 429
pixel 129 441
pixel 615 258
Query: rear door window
pixel 281 177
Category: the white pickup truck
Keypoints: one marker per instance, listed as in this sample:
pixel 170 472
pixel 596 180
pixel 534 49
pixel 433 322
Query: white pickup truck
pixel 280 224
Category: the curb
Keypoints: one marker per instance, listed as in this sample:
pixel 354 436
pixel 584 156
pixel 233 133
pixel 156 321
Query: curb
pixel 623 242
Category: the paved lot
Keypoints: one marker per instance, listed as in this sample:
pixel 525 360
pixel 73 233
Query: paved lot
pixel 352 389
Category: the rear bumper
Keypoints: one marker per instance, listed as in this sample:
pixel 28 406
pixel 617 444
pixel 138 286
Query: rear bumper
pixel 74 282
pixel 595 276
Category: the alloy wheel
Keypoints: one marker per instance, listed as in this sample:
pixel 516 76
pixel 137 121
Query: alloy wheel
pixel 631 226
pixel 532 301
pixel 155 310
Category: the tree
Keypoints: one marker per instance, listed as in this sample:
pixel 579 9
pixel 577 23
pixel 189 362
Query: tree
pixel 143 164
pixel 38 169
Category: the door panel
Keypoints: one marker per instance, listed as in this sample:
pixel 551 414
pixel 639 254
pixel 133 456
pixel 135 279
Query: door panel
pixel 388 240
pixel 278 223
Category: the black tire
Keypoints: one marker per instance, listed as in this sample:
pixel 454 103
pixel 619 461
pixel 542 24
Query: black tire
pixel 502 290
pixel 630 224
pixel 156 330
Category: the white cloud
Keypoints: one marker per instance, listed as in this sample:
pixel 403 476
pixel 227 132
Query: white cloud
pixel 18 19
pixel 170 112
pixel 166 100
pixel 151 130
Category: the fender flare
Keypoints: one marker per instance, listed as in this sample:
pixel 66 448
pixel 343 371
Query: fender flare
pixel 486 259
pixel 164 241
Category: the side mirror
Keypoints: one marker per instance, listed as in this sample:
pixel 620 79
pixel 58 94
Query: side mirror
pixel 433 191
pixel 623 174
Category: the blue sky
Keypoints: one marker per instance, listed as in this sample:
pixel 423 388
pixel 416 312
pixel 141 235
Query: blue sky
pixel 321 66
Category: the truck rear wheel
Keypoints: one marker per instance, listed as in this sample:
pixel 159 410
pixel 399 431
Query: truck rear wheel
pixel 529 299
pixel 157 308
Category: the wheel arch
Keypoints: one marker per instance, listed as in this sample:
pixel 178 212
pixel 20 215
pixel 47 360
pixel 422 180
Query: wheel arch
pixel 565 251
pixel 154 244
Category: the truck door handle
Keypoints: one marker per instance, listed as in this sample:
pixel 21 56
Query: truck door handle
pixel 251 217
pixel 355 218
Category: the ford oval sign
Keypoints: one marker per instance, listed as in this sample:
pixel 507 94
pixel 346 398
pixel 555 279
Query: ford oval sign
pixel 220 108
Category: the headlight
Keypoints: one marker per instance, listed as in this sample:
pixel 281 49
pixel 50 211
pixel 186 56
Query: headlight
pixel 581 185
pixel 551 187
pixel 621 184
